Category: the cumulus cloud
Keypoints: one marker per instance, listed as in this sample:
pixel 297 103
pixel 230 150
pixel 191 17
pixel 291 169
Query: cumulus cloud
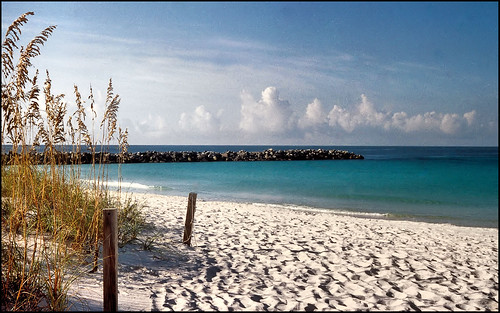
pixel 341 117
pixel 369 115
pixel 199 121
pixel 269 114
pixel 314 116
pixel 272 115
pixel 365 114
pixel 426 121
pixel 470 117
pixel 449 123
pixel 154 126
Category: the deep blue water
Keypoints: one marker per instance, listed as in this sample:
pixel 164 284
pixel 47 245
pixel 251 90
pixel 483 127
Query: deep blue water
pixel 457 185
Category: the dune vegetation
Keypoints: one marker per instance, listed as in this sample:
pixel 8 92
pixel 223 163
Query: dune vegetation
pixel 51 221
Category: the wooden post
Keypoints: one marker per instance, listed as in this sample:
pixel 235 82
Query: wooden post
pixel 188 226
pixel 110 260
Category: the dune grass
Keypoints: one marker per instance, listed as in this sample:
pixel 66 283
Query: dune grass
pixel 51 223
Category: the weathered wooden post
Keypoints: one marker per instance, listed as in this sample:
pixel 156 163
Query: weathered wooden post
pixel 110 260
pixel 188 226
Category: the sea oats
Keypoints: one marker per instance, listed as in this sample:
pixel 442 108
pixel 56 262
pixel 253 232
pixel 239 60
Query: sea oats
pixel 49 219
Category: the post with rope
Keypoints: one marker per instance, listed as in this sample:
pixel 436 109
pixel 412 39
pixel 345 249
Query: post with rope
pixel 188 226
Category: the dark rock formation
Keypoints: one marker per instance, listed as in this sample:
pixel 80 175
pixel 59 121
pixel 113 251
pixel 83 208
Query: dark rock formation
pixel 192 156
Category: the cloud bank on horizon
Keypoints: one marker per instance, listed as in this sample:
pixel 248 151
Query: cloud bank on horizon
pixel 273 116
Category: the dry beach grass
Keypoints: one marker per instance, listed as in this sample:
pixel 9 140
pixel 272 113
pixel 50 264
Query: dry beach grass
pixel 50 222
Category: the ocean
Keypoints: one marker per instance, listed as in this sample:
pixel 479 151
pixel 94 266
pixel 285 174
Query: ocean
pixel 456 185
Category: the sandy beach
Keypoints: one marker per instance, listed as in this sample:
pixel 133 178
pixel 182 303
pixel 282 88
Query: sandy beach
pixel 247 257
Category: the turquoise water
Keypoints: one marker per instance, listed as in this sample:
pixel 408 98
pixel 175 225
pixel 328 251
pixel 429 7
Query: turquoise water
pixel 457 185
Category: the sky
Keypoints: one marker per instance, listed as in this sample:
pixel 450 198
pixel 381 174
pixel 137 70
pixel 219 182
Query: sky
pixel 278 73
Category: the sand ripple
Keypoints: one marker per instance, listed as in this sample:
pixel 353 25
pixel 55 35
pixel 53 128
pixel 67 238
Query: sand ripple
pixel 256 257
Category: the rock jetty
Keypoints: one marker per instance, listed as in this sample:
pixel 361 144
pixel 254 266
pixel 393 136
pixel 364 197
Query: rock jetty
pixel 205 156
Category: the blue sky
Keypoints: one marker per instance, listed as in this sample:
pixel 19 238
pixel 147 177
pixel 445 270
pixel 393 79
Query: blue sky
pixel 306 73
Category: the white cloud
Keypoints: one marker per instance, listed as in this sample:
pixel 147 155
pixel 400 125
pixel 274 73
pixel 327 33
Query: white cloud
pixel 341 117
pixel 314 116
pixel 148 130
pixel 274 116
pixel 365 114
pixel 269 114
pixel 200 121
pixel 449 123
pixel 470 117
pixel 368 115
pixel 152 125
pixel 419 122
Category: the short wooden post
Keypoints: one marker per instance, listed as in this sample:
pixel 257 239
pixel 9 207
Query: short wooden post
pixel 188 226
pixel 110 260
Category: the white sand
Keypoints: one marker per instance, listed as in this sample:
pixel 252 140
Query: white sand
pixel 249 257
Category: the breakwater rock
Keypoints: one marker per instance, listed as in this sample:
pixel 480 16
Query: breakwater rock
pixel 205 156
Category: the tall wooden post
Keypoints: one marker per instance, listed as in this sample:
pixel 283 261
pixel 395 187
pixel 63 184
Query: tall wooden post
pixel 110 260
pixel 188 226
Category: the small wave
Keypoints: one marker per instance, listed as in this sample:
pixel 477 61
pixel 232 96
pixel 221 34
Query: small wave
pixel 127 185
pixel 324 210
pixel 339 211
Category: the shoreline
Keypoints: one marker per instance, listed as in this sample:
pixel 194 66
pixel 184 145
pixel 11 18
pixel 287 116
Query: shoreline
pixel 355 212
pixel 264 257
